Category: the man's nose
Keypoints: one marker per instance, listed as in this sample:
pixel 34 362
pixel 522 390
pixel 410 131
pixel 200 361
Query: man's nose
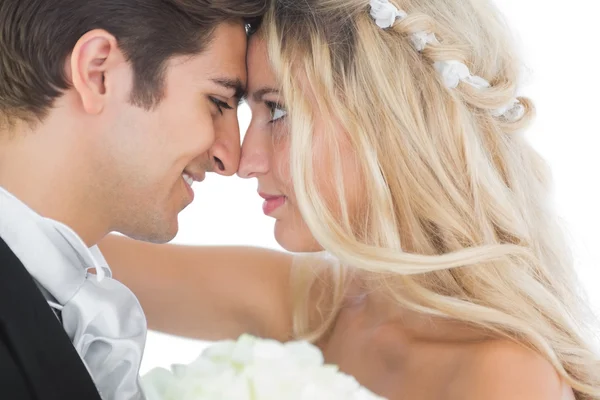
pixel 225 152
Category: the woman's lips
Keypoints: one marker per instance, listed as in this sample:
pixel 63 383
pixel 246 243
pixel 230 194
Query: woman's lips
pixel 272 203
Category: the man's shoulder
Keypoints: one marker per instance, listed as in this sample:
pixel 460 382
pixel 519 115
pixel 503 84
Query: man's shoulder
pixel 13 385
pixel 12 271
pixel 10 274
pixel 502 369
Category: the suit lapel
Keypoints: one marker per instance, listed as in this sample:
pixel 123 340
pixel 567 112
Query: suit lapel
pixel 43 350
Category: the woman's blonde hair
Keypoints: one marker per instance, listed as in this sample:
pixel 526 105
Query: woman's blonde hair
pixel 456 220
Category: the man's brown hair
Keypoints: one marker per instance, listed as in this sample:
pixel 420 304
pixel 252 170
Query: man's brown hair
pixel 37 36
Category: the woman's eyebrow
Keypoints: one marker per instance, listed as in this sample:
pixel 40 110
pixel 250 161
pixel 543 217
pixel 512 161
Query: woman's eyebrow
pixel 259 94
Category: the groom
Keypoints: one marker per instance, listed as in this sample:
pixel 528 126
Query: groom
pixel 109 110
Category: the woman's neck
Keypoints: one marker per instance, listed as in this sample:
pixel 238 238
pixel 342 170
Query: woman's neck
pixel 380 310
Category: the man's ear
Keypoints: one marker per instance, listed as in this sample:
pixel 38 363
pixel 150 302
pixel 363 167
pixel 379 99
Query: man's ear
pixel 92 58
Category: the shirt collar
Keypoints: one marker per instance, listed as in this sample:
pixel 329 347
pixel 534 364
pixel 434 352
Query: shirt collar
pixel 51 251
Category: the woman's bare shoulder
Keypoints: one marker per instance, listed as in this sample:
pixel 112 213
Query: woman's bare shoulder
pixel 501 369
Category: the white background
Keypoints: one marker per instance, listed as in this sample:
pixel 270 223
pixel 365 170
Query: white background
pixel 561 45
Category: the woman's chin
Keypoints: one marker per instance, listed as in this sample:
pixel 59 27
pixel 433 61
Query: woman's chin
pixel 295 239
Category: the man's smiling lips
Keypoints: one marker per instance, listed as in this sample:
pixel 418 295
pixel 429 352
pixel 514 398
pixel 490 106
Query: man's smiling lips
pixel 189 179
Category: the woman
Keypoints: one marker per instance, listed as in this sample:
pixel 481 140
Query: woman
pixel 444 274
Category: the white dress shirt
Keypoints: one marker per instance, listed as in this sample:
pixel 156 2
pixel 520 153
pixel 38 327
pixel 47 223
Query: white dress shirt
pixel 103 318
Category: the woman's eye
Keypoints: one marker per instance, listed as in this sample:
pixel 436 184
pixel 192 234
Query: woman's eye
pixel 277 114
pixel 277 111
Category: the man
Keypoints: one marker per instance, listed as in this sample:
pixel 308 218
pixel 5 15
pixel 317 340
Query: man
pixel 109 110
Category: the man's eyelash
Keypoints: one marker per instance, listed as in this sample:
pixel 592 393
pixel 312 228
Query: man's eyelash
pixel 221 105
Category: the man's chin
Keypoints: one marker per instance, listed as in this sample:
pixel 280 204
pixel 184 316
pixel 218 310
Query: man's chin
pixel 157 233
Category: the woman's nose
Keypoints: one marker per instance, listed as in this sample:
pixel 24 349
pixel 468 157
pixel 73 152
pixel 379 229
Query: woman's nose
pixel 255 154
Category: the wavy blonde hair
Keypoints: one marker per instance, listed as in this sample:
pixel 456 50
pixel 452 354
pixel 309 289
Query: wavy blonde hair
pixel 457 221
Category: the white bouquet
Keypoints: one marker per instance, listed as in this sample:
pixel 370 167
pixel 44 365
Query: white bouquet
pixel 255 369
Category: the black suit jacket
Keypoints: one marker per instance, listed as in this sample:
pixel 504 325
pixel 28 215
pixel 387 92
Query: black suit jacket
pixel 37 359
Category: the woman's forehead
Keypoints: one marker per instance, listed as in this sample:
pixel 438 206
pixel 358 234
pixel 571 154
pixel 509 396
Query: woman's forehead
pixel 260 71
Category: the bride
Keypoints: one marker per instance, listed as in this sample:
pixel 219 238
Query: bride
pixel 427 262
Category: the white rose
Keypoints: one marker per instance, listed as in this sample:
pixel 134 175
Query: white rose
pixel 255 369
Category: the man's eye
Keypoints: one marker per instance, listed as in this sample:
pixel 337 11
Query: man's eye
pixel 221 105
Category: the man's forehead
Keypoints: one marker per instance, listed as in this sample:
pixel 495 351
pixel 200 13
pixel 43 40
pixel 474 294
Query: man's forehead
pixel 215 68
pixel 228 47
pixel 226 60
pixel 222 62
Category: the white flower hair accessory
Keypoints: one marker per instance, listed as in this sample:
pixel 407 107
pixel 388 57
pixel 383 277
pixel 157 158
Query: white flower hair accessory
pixel 385 13
pixel 452 72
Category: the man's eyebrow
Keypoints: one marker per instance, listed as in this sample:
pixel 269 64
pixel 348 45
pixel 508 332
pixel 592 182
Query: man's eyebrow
pixel 236 84
pixel 259 94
